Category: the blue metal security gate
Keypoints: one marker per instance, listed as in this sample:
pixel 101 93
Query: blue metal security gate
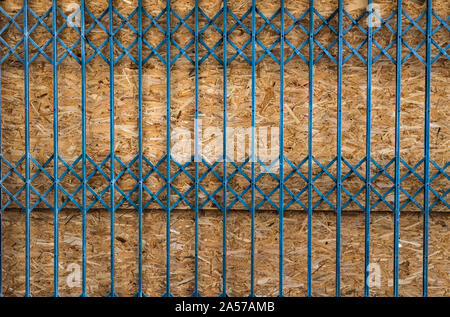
pixel 225 60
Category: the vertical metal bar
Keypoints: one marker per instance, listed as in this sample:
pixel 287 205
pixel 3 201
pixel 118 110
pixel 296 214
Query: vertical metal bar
pixel 368 151
pixel 310 141
pixel 224 157
pixel 168 141
pixel 427 151
pixel 196 132
pixel 280 270
pixel 140 292
pixel 339 154
pixel 397 143
pixel 83 129
pixel 253 156
pixel 112 211
pixel 27 150
pixel 55 152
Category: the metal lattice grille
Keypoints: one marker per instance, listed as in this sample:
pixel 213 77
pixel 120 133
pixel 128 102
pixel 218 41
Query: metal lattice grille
pixel 164 23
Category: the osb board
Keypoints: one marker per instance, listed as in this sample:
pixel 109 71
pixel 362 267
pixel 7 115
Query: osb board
pixel 239 103
pixel 210 253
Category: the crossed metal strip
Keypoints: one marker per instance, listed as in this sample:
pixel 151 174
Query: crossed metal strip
pixel 12 169
pixel 440 198
pixel 353 170
pixel 210 197
pixel 238 170
pixel 412 170
pixel 239 51
pixel 296 170
pixel 97 50
pixel 13 197
pixel 266 197
pixel 442 51
pixel 153 22
pixel 40 21
pixel 126 169
pixel 98 168
pixel 210 22
pixel 382 171
pixel 267 22
pixel 384 23
pixel 296 50
pixel 324 169
pixel 182 50
pixel 325 22
pixel 354 50
pixel 267 169
pixel 11 21
pixel 68 50
pixel 125 22
pixel 239 22
pixel 70 169
pixel 41 168
pixel 182 196
pixel 412 51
